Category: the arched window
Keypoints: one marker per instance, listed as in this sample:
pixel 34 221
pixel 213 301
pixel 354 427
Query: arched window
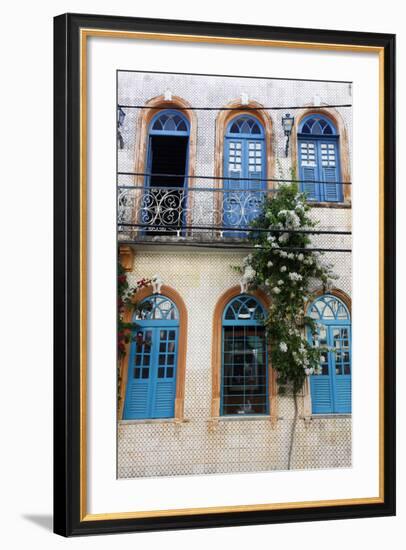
pixel 245 166
pixel 164 200
pixel 244 381
pixel 153 359
pixel 319 159
pixel 331 386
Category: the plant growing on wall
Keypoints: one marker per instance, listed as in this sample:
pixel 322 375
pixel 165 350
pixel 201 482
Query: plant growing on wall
pixel 286 270
pixel 125 299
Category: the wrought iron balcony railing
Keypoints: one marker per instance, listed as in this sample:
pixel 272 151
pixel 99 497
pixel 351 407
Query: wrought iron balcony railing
pixel 195 212
pixel 205 214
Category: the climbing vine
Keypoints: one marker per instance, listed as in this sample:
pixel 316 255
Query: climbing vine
pixel 286 270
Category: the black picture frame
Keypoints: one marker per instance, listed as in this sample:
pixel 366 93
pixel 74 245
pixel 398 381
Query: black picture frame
pixel 68 518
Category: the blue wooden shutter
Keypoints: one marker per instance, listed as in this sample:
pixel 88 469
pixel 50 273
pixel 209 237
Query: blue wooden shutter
pixel 165 358
pixel 139 377
pixel 341 342
pixel 329 171
pixel 331 190
pixel 321 394
pixel 234 163
pixel 255 184
pixel 308 169
pixel 321 388
pixel 233 168
pixel 343 395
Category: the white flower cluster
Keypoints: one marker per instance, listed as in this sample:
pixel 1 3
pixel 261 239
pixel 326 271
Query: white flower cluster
pixel 284 238
pixel 283 347
pixel 249 273
pixel 293 332
pixel 296 358
pixel 276 290
pixel 295 276
pixel 290 218
pixel 284 254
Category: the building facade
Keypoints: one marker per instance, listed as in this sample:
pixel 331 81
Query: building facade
pixel 196 156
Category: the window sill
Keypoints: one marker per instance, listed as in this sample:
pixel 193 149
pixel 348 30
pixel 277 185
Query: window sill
pixel 327 416
pixel 312 204
pixel 155 421
pixel 243 417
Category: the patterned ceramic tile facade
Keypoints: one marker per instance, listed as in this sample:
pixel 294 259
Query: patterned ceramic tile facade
pixel 201 276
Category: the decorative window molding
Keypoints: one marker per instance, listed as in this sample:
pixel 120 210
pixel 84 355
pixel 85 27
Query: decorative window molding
pixel 343 153
pixel 177 300
pixel 249 108
pixel 142 129
pixel 221 304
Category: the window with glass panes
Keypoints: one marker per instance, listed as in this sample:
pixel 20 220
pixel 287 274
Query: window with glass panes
pixel 244 387
pixel 331 385
pixel 319 160
pixel 244 172
pixel 151 380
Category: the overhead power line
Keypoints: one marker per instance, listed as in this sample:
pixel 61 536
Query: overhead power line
pixel 233 178
pixel 240 108
pixel 160 227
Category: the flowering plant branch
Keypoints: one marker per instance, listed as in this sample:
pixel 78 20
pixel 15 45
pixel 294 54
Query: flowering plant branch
pixel 282 266
pixel 125 299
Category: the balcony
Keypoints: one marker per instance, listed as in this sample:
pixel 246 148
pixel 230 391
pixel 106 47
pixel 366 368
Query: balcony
pixel 204 216
pixel 173 213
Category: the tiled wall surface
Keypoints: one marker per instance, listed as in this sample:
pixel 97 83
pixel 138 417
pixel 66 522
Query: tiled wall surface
pixel 148 448
pixel 162 448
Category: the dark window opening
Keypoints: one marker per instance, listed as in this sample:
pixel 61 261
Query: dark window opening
pixel 164 202
pixel 244 370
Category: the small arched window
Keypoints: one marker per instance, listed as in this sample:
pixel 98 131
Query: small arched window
pixel 170 122
pixel 244 381
pixel 319 159
pixel 244 172
pixel 164 200
pixel 153 359
pixel 331 385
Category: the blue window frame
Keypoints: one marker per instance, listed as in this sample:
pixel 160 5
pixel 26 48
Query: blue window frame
pixel 319 159
pixel 165 197
pixel 245 165
pixel 244 387
pixel 331 387
pixel 152 365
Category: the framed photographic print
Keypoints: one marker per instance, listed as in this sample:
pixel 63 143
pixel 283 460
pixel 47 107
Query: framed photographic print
pixel 224 274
